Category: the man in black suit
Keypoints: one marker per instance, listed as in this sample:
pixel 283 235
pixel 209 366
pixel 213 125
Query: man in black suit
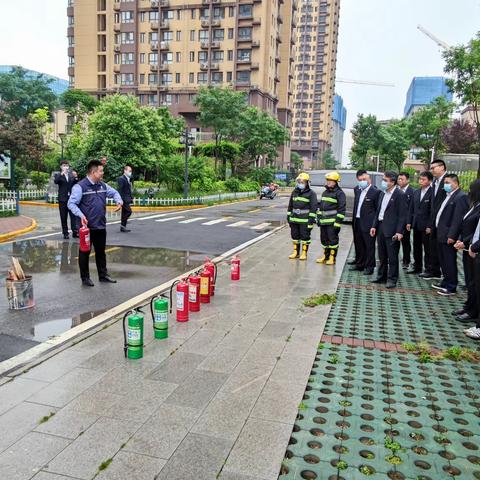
pixel 419 220
pixel 356 233
pixel 65 181
pixel 364 210
pixel 439 170
pixel 389 226
pixel 447 224
pixel 125 191
pixel 403 182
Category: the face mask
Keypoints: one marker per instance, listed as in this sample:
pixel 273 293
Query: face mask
pixel 128 174
pixel 300 186
pixel 447 187
pixel 363 184
pixel 384 185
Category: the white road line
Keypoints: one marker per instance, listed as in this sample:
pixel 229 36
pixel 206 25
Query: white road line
pixel 260 226
pixel 151 217
pixel 214 222
pixel 169 218
pixel 238 224
pixel 191 220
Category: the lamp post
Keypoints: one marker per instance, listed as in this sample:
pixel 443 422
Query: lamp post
pixel 188 139
pixel 62 138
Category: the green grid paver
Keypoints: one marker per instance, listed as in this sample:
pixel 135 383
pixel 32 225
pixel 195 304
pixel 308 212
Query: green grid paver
pixel 356 396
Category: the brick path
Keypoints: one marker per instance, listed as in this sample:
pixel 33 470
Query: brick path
pixel 11 224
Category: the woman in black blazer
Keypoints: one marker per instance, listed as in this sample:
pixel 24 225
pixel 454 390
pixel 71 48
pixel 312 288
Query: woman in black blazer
pixel 467 229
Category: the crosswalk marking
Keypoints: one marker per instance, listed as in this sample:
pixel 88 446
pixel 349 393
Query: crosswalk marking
pixel 260 226
pixel 238 224
pixel 151 217
pixel 214 222
pixel 168 219
pixel 191 220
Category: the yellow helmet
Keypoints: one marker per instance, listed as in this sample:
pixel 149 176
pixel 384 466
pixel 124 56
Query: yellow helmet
pixel 303 176
pixel 335 176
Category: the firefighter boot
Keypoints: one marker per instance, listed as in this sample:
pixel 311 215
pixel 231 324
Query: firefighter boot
pixel 331 260
pixel 296 248
pixel 324 258
pixel 303 256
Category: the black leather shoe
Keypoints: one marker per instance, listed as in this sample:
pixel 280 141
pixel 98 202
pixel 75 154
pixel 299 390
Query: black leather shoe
pixel 368 271
pixel 66 236
pixel 430 276
pixel 456 313
pixel 75 235
pixel 465 317
pixel 352 262
pixel 378 280
pixel 356 268
pixel 124 230
pixel 87 282
pixel 390 284
pixel 107 279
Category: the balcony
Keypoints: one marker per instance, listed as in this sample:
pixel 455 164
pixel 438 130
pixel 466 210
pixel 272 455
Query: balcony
pixel 257 21
pixel 116 27
pixel 244 39
pixel 154 25
pixel 164 45
pixel 154 46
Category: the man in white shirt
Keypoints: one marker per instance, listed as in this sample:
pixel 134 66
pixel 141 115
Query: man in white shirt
pixel 404 184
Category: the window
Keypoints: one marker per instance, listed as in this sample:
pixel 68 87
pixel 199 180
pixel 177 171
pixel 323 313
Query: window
pixel 229 76
pixel 153 58
pixel 191 78
pixel 218 56
pixel 245 11
pixel 230 33
pixel 219 34
pixel 217 77
pixel 167 36
pixel 153 16
pixel 192 35
pixel 178 35
pixel 178 57
pixel 167 99
pixel 71 41
pixel 71 20
pixel 116 59
pixel 179 14
pixel 203 35
pixel 166 78
pixel 143 16
pixel 142 79
pixel 202 57
pixel 142 37
pixel 153 37
pixel 218 12
pixel 167 58
pixel 127 59
pixel 204 13
pixel 231 11
pixel 244 32
pixel 127 17
pixel 192 97
pixel 71 61
pixel 177 78
pixel 230 56
pixel 128 37
pixel 167 14
pixel 127 78
pixel 243 55
pixel 142 58
pixel 152 79
pixel 192 13
pixel 116 79
pixel 71 80
pixel 192 56
pixel 202 77
pixel 243 76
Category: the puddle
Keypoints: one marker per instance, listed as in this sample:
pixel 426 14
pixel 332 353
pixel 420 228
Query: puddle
pixel 45 330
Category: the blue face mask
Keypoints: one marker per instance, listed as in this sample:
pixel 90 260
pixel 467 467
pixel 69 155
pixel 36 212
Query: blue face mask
pixel 384 185
pixel 447 187
pixel 301 186
pixel 363 184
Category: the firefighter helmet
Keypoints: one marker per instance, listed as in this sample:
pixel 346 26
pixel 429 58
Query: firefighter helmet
pixel 335 176
pixel 303 176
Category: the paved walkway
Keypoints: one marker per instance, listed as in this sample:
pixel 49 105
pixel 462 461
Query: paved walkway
pixel 11 224
pixel 218 399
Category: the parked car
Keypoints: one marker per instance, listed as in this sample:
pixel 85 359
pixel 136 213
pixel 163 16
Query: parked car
pixel 348 182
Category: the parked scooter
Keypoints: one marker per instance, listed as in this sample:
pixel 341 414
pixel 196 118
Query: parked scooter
pixel 268 191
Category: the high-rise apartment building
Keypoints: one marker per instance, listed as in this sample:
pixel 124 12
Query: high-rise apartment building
pixel 315 65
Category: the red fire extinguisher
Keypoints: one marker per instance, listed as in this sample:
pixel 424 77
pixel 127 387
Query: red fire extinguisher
pixel 235 268
pixel 84 233
pixel 205 286
pixel 194 293
pixel 212 269
pixel 182 299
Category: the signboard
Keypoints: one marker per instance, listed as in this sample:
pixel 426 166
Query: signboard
pixel 5 167
pixel 281 176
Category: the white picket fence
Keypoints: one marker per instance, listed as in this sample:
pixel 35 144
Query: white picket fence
pixel 24 194
pixel 8 205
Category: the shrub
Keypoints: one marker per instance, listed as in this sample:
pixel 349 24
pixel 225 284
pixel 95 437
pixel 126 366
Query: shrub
pixel 39 179
pixel 233 184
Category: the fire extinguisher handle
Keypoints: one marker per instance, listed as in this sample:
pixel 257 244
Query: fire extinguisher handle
pixel 171 293
pixel 125 344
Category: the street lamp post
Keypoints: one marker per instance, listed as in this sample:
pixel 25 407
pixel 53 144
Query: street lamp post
pixel 188 140
pixel 62 138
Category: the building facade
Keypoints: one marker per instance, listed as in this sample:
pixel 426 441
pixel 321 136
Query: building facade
pixel 338 129
pixel 423 91
pixel 315 66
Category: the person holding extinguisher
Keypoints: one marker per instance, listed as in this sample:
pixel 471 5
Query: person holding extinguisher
pixel 301 216
pixel 88 201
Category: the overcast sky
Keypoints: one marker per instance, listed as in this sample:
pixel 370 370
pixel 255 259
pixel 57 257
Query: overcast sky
pixel 379 41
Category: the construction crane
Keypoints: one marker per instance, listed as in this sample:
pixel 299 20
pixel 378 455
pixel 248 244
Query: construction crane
pixel 430 35
pixel 365 82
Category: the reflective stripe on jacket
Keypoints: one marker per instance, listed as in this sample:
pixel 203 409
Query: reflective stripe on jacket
pixel 302 206
pixel 332 207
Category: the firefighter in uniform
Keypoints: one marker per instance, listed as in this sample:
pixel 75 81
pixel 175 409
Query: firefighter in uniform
pixel 330 215
pixel 301 216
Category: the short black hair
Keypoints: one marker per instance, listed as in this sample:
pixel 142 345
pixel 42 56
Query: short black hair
pixel 453 177
pixel 427 175
pixel 63 162
pixel 361 172
pixel 439 162
pixel 474 193
pixel 405 174
pixel 93 165
pixel 391 175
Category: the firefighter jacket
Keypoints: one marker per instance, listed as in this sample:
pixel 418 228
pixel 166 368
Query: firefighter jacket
pixel 331 207
pixel 302 207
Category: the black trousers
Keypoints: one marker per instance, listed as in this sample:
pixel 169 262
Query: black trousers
pixel 434 258
pixel 126 213
pixel 406 248
pixel 421 250
pixel 329 237
pixel 388 251
pixel 447 255
pixel 357 239
pixel 64 213
pixel 469 271
pixel 476 272
pixel 98 239
pixel 366 257
pixel 300 232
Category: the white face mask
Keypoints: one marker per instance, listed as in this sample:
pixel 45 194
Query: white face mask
pixel 128 174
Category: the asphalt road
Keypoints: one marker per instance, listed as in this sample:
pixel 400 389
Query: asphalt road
pixel 159 247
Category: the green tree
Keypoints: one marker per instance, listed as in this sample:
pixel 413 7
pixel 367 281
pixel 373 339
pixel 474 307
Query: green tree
pixel 366 140
pixel 78 103
pixel 296 161
pixel 21 95
pixel 262 135
pixel 329 161
pixel 463 64
pixel 394 144
pixel 425 127
pixel 172 168
pixel 263 175
pixel 227 151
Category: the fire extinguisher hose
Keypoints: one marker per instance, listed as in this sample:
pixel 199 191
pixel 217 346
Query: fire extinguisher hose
pixel 125 344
